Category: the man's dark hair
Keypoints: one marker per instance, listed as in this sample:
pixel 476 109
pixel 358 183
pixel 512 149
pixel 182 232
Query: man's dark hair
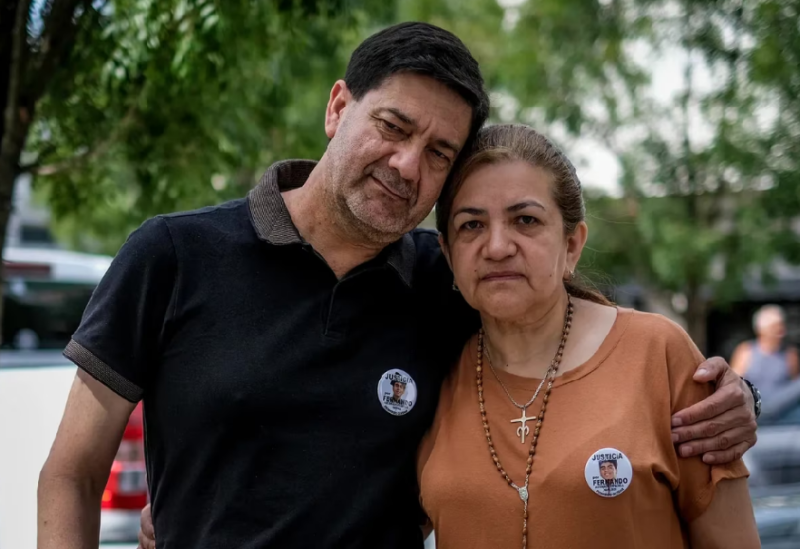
pixel 423 49
pixel 611 461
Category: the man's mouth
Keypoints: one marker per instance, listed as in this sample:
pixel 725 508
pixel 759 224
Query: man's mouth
pixel 391 191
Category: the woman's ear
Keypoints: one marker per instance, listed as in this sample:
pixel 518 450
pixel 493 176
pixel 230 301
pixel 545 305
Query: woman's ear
pixel 445 250
pixel 575 243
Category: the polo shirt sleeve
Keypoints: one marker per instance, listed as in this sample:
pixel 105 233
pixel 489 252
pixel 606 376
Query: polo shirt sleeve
pixel 121 333
pixel 697 480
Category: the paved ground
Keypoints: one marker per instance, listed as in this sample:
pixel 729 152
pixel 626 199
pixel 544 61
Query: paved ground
pixel 32 359
pixel 31 404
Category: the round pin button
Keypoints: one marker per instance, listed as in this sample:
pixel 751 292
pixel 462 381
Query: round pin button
pixel 397 392
pixel 608 472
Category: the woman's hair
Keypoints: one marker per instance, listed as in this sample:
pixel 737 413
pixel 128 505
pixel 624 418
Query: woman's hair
pixel 510 142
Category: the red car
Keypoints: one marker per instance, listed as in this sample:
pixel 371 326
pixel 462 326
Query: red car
pixel 126 492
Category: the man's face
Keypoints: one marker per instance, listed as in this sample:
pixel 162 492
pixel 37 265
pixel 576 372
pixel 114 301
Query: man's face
pixel 391 151
pixel 398 389
pixel 772 325
pixel 608 471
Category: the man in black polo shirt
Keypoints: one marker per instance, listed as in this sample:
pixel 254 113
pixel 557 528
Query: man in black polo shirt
pixel 258 331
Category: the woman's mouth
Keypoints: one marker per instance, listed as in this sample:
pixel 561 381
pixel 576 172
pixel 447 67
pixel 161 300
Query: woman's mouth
pixel 500 276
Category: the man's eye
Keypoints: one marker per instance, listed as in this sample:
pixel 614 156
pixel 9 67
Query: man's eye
pixel 391 127
pixel 527 220
pixel 440 154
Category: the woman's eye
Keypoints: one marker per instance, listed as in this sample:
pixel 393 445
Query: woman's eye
pixel 471 225
pixel 527 220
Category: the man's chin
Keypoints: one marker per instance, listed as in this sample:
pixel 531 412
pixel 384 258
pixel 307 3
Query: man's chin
pixel 378 224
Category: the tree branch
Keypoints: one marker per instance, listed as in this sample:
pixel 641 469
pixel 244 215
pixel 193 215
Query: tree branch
pixel 56 39
pixel 11 147
pixel 99 150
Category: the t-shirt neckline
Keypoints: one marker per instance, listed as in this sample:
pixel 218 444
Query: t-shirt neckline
pixel 610 342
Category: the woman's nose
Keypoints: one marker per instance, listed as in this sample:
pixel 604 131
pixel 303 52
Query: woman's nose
pixel 500 244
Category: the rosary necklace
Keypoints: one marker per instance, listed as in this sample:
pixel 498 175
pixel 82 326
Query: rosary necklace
pixel 522 491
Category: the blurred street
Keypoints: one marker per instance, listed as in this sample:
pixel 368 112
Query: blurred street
pixel 32 359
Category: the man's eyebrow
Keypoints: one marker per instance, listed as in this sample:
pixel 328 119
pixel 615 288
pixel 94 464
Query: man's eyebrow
pixel 470 211
pixel 406 119
pixel 526 204
pixel 445 144
pixel 403 117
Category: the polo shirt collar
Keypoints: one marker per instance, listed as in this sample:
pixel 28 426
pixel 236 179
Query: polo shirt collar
pixel 273 224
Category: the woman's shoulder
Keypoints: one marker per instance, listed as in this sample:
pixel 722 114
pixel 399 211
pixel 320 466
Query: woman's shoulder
pixel 657 328
pixel 671 348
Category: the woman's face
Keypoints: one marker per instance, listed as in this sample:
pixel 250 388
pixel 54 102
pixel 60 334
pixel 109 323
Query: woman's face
pixel 507 246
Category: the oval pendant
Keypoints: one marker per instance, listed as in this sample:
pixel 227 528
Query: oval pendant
pixel 523 494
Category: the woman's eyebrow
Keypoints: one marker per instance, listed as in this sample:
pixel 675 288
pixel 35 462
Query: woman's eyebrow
pixel 526 204
pixel 470 211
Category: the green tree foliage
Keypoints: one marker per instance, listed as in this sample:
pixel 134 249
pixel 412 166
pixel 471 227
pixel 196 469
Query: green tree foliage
pixel 710 185
pixel 175 104
pixel 128 108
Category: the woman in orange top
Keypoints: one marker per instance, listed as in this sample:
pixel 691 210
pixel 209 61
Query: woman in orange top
pixel 554 429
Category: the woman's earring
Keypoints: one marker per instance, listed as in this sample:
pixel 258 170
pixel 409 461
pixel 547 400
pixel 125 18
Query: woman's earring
pixel 455 288
pixel 570 276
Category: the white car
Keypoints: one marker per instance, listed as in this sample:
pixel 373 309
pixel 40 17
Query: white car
pixel 32 402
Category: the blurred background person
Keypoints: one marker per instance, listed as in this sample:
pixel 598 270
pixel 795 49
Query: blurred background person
pixel 767 361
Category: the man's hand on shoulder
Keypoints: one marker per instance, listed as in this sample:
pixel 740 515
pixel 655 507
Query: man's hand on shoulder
pixel 147 534
pixel 723 426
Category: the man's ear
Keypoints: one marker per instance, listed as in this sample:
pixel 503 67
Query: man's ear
pixel 337 103
pixel 445 251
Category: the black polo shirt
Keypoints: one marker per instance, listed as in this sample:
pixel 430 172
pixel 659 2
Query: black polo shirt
pixel 283 406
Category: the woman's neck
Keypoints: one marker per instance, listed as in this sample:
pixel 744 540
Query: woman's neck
pixel 526 346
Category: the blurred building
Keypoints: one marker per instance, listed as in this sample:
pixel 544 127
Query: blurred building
pixel 29 225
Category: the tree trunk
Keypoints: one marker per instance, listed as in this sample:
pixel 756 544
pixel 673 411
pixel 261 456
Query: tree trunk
pixel 8 174
pixel 15 127
pixel 25 77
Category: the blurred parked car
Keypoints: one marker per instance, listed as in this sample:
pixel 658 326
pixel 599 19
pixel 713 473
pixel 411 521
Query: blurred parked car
pixel 774 464
pixel 32 399
pixel 126 492
pixel 45 294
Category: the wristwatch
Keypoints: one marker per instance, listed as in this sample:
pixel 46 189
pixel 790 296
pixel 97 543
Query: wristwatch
pixel 756 396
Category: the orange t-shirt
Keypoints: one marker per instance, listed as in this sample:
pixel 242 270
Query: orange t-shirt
pixel 621 402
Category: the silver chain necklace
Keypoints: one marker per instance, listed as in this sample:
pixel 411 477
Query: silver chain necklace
pixel 523 430
pixel 503 385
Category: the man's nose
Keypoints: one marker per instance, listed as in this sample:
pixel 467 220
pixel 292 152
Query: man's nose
pixel 406 160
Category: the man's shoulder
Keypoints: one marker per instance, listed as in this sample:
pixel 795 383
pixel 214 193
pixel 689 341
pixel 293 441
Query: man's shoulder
pixel 165 234
pixel 209 224
pixel 428 252
pixel 231 211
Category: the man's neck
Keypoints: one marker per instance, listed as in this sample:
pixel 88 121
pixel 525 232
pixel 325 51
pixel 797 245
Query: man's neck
pixel 312 215
pixel 769 344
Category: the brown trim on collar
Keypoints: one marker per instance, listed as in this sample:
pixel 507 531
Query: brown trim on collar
pixel 273 224
pixel 268 211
